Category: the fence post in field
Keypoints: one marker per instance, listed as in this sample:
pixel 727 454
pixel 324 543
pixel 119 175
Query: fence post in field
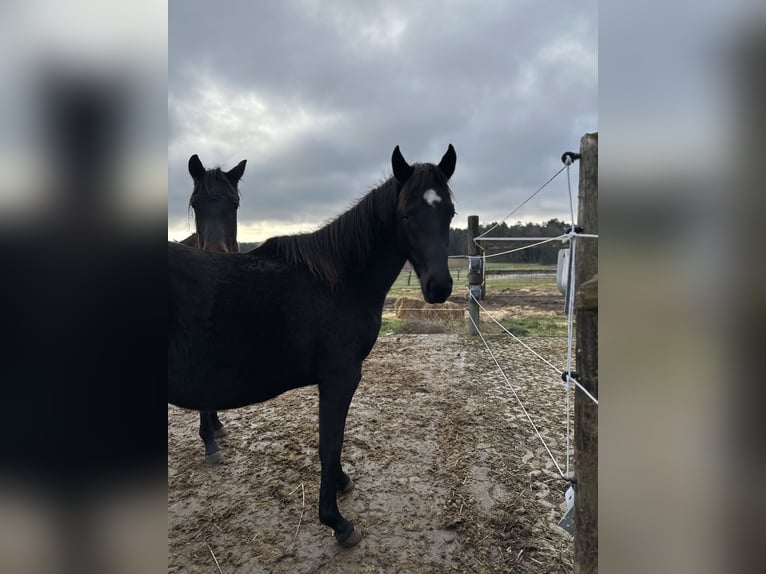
pixel 586 412
pixel 474 278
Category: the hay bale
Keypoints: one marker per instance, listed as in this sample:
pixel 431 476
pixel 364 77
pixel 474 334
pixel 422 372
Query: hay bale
pixel 412 308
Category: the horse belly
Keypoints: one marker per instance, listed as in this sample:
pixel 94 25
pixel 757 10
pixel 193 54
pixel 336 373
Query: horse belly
pixel 240 335
pixel 202 381
pixel 238 371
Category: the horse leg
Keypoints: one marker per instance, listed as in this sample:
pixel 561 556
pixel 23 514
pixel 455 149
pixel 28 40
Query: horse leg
pixel 345 483
pixel 218 429
pixel 334 400
pixel 212 454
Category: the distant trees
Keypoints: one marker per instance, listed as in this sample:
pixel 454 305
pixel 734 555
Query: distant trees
pixel 544 254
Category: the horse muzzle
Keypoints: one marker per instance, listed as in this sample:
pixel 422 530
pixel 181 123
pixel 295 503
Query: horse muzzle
pixel 437 289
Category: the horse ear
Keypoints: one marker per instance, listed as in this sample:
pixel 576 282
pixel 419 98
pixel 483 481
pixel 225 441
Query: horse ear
pixel 447 164
pixel 402 170
pixel 235 174
pixel 196 169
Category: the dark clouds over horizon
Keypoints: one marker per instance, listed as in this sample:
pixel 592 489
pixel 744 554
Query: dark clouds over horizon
pixel 315 95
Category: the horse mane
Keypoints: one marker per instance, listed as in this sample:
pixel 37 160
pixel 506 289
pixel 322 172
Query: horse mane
pixel 215 184
pixel 345 243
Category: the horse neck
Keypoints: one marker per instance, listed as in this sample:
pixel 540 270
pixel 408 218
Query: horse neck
pixel 356 253
pixel 374 281
pixel 373 277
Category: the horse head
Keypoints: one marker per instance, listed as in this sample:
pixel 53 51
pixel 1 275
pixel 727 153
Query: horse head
pixel 215 200
pixel 424 212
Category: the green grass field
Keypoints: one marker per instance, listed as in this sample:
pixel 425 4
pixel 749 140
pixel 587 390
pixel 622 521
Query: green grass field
pixel 407 283
pixel 531 293
pixel 536 326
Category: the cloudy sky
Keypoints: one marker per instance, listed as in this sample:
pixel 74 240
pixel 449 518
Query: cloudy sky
pixel 316 95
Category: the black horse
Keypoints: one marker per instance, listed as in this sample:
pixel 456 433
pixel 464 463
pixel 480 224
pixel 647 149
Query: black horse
pixel 215 200
pixel 306 309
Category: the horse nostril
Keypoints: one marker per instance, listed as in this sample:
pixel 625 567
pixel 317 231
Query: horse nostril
pixel 438 292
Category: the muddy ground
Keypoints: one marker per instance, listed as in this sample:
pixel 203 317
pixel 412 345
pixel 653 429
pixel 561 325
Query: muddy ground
pixel 449 474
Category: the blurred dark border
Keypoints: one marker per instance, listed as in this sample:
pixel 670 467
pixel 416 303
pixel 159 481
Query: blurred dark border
pixel 83 472
pixel 682 287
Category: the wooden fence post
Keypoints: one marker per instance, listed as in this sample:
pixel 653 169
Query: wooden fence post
pixel 586 412
pixel 474 279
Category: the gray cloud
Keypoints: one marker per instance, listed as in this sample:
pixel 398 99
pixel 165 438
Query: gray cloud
pixel 315 95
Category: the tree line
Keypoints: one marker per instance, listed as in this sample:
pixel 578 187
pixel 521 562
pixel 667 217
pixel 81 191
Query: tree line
pixel 458 241
pixel 546 254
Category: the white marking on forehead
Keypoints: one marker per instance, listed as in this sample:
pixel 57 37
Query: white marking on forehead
pixel 431 197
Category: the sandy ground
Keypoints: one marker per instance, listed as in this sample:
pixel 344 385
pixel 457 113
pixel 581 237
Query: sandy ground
pixel 449 474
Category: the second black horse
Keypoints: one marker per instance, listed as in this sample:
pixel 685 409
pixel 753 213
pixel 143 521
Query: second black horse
pixel 306 309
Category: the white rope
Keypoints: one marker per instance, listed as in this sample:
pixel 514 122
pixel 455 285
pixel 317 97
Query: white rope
pixel 569 416
pixel 568 234
pixel 514 238
pixel 571 200
pixel 584 390
pixel 392 309
pixel 531 350
pixel 564 237
pixel 539 189
pixel 571 237
pixel 570 329
pixel 570 319
pixel 510 386
pixel 570 307
pixel 523 344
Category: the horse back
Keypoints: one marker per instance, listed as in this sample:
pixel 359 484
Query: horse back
pixel 245 328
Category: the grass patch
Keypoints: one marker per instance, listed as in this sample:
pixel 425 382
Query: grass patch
pixel 537 286
pixel 530 267
pixel 395 326
pixel 542 284
pixel 391 325
pixel 527 326
pixel 536 326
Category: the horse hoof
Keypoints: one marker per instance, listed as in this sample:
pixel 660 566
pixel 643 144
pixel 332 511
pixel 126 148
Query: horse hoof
pixel 352 539
pixel 348 488
pixel 220 433
pixel 214 459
